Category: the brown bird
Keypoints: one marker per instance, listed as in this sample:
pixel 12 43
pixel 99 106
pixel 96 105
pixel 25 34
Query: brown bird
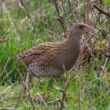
pixel 51 59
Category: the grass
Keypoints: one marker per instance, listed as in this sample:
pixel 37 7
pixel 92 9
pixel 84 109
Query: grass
pixel 17 34
pixel 92 95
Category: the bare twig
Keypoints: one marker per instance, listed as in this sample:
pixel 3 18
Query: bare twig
pixel 79 102
pixel 64 91
pixel 26 10
pixel 59 18
pixel 3 40
pixel 5 66
pixel 101 11
pixel 106 61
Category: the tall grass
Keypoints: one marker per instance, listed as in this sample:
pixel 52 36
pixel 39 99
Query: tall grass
pixel 18 33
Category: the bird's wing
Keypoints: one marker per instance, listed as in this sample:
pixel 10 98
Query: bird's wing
pixel 34 53
pixel 27 56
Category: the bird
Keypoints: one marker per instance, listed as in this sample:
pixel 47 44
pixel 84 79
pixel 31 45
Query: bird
pixel 51 59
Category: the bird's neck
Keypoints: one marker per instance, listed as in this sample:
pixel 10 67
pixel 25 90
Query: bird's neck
pixel 72 50
pixel 73 40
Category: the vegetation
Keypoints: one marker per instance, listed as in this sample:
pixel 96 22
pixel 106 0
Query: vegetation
pixel 26 23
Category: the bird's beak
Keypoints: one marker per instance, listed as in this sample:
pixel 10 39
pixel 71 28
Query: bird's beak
pixel 89 29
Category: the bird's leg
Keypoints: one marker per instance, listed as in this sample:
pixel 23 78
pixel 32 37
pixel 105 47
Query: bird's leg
pixel 40 83
pixel 27 85
pixel 27 90
pixel 27 80
pixel 51 82
pixel 57 78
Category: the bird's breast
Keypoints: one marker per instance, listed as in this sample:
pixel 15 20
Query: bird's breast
pixel 70 56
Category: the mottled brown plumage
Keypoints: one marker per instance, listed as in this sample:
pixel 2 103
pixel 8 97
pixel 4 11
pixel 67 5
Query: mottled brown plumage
pixel 51 59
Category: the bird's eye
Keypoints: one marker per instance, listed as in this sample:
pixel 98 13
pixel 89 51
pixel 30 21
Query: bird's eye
pixel 81 26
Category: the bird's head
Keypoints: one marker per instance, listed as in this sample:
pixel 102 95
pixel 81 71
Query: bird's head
pixel 79 29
